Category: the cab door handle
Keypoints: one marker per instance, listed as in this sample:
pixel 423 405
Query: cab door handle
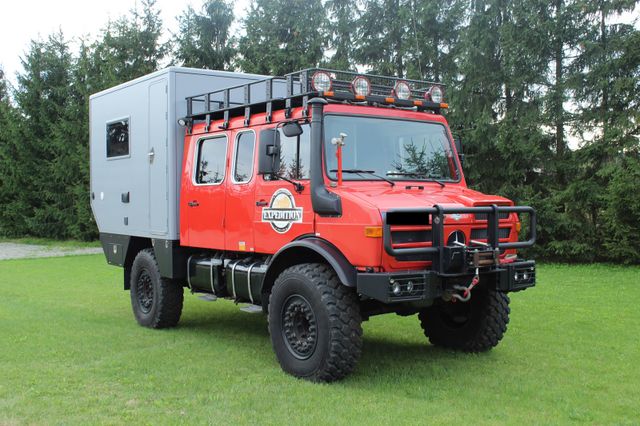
pixel 261 203
pixel 193 203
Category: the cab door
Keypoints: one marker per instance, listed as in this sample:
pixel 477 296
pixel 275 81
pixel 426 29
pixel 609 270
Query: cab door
pixel 203 197
pixel 240 202
pixel 282 213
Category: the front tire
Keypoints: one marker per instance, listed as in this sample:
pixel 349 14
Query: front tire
pixel 315 323
pixel 156 301
pixel 474 326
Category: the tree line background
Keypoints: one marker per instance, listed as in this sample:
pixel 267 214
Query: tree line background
pixel 544 95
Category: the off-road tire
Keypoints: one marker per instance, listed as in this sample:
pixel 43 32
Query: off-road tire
pixel 162 305
pixel 313 291
pixel 474 326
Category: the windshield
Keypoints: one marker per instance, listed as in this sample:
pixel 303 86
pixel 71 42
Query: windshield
pixel 396 149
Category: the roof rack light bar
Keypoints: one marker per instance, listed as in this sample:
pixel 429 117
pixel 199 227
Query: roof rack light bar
pixel 297 88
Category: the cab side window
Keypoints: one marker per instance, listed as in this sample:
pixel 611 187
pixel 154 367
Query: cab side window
pixel 243 161
pixel 295 154
pixel 211 159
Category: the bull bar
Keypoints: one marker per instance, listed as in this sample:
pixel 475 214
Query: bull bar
pixel 449 263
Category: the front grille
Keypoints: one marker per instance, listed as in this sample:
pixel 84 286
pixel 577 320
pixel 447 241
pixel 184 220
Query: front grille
pixel 483 216
pixel 402 237
pixel 482 234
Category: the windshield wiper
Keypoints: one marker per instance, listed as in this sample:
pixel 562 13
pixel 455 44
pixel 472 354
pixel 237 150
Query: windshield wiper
pixel 365 172
pixel 418 175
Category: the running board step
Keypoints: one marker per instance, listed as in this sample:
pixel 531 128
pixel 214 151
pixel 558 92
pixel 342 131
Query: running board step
pixel 208 297
pixel 252 309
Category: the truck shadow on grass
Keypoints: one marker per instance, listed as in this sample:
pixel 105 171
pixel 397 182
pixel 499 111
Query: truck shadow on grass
pixel 382 358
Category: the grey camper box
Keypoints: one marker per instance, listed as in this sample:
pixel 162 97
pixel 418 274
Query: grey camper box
pixel 136 148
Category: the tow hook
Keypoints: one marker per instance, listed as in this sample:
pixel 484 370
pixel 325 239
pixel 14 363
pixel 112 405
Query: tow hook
pixel 466 291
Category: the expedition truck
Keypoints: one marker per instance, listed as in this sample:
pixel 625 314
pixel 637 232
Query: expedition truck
pixel 320 198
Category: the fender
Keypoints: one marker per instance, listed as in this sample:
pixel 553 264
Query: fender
pixel 310 249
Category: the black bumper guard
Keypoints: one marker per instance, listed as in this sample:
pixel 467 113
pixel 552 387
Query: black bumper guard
pixel 450 264
pixel 455 260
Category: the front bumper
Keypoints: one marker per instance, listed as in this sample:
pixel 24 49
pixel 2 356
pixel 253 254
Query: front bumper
pixel 416 286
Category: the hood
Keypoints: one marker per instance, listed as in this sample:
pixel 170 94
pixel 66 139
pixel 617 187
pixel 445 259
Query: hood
pixel 400 197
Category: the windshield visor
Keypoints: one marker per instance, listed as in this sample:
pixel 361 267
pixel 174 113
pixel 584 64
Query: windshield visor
pixel 395 149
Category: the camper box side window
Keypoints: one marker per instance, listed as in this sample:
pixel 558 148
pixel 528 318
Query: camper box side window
pixel 118 138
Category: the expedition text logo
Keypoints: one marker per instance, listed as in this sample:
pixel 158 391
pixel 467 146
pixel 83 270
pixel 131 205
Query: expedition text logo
pixel 282 211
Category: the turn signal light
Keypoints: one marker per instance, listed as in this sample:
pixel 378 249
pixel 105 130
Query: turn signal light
pixel 373 231
pixel 518 227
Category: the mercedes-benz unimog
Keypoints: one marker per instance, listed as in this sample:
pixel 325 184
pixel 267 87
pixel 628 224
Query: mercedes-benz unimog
pixel 320 198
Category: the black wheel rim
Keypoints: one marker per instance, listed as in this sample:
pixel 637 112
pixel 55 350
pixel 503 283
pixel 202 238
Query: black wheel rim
pixel 299 327
pixel 144 291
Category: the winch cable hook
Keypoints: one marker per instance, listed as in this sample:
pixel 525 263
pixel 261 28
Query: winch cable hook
pixel 466 291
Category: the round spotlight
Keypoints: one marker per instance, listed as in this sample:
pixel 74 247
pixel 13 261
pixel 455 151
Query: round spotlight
pixel 402 90
pixel 361 86
pixel 435 94
pixel 182 122
pixel 396 289
pixel 321 81
pixel 410 286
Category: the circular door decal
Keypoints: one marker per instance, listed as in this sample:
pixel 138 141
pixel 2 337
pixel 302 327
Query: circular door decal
pixel 282 212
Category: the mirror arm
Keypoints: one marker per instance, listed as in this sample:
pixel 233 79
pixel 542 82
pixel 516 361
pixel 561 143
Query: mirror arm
pixel 297 185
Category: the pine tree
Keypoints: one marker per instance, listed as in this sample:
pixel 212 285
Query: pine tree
pixel 41 201
pixel 434 30
pixel 342 29
pixel 283 36
pixel 498 98
pixel 203 39
pixel 383 37
pixel 605 82
pixel 130 46
pixel 9 137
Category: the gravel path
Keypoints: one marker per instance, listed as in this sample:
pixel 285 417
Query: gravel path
pixel 21 251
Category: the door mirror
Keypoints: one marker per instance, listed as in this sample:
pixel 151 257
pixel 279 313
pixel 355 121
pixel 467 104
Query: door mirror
pixel 269 152
pixel 292 129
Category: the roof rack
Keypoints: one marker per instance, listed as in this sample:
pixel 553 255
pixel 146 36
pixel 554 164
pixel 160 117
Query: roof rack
pixel 295 90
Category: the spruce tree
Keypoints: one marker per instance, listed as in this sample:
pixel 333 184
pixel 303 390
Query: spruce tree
pixel 42 201
pixel 9 139
pixel 282 36
pixel 383 37
pixel 203 39
pixel 130 46
pixel 341 23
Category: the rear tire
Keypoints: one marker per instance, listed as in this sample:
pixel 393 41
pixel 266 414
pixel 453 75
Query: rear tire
pixel 315 323
pixel 474 326
pixel 156 301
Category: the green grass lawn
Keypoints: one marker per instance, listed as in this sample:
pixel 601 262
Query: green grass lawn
pixel 71 352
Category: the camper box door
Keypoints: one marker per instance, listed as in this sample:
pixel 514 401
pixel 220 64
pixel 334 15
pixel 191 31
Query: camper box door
pixel 157 157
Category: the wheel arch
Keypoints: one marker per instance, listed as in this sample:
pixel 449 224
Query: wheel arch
pixel 135 246
pixel 309 250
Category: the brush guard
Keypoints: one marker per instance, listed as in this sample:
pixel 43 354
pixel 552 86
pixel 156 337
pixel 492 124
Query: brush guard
pixel 460 259
pixel 456 269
